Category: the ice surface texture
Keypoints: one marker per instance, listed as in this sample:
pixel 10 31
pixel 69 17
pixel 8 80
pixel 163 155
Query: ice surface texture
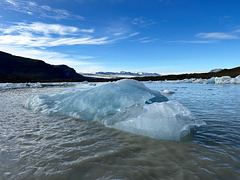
pixel 126 105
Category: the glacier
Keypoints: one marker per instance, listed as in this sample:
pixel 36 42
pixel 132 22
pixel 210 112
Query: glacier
pixel 126 105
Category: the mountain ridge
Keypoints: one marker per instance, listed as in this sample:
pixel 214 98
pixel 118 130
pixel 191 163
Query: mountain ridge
pixel 233 72
pixel 16 67
pixel 21 69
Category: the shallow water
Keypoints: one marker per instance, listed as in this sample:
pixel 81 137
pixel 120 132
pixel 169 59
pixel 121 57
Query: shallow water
pixel 36 146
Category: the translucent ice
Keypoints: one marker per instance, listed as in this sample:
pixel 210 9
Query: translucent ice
pixel 211 80
pixel 126 104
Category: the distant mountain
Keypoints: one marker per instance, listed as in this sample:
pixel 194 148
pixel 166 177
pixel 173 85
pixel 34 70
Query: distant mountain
pixel 224 72
pixel 128 73
pixel 121 74
pixel 17 68
pixel 216 70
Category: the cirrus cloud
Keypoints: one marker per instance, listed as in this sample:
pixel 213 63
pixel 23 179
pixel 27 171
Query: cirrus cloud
pixel 34 41
pixel 42 28
pixel 41 10
pixel 217 35
pixel 48 35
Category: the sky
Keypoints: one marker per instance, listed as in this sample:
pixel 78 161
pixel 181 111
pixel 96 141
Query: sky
pixel 163 36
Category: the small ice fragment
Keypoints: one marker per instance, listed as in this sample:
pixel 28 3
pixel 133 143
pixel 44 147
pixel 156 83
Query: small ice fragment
pixel 168 92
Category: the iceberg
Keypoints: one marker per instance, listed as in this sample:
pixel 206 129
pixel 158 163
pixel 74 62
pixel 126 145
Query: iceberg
pixel 223 80
pixel 127 105
pixel 235 80
pixel 212 80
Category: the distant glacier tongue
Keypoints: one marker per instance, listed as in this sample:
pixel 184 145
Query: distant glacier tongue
pixel 126 105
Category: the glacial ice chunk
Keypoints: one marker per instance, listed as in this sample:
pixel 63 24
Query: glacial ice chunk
pixel 167 92
pixel 235 80
pixel 223 80
pixel 167 120
pixel 126 105
pixel 211 80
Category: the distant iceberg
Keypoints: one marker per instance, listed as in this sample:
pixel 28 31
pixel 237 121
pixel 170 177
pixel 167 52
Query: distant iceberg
pixel 227 80
pixel 19 85
pixel 32 85
pixel 213 80
pixel 223 80
pixel 235 80
pixel 126 105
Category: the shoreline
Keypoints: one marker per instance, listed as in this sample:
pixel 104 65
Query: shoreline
pixel 234 72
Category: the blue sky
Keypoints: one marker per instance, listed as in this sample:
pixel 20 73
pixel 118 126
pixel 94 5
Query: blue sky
pixel 164 36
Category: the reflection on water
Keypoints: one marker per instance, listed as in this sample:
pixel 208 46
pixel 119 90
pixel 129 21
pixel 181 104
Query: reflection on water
pixel 35 146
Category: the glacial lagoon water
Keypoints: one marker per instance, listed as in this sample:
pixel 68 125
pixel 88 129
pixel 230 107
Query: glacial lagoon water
pixel 35 145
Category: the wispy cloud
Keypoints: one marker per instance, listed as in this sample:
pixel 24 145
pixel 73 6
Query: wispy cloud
pixel 217 35
pixel 211 37
pixel 41 10
pixel 191 42
pixel 125 37
pixel 48 35
pixel 43 35
pixel 143 22
pixel 35 41
pixel 134 34
pixel 81 63
pixel 147 40
pixel 117 31
pixel 11 2
pixel 42 28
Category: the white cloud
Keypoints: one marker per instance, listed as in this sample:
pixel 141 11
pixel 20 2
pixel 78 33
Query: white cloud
pixel 217 35
pixel 125 37
pixel 38 27
pixel 48 35
pixel 11 2
pixel 41 11
pixel 118 33
pixel 35 41
pixel 79 63
pixel 146 40
pixel 43 35
pixel 134 34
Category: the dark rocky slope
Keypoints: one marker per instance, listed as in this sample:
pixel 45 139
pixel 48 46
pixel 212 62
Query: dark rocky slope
pixel 15 68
